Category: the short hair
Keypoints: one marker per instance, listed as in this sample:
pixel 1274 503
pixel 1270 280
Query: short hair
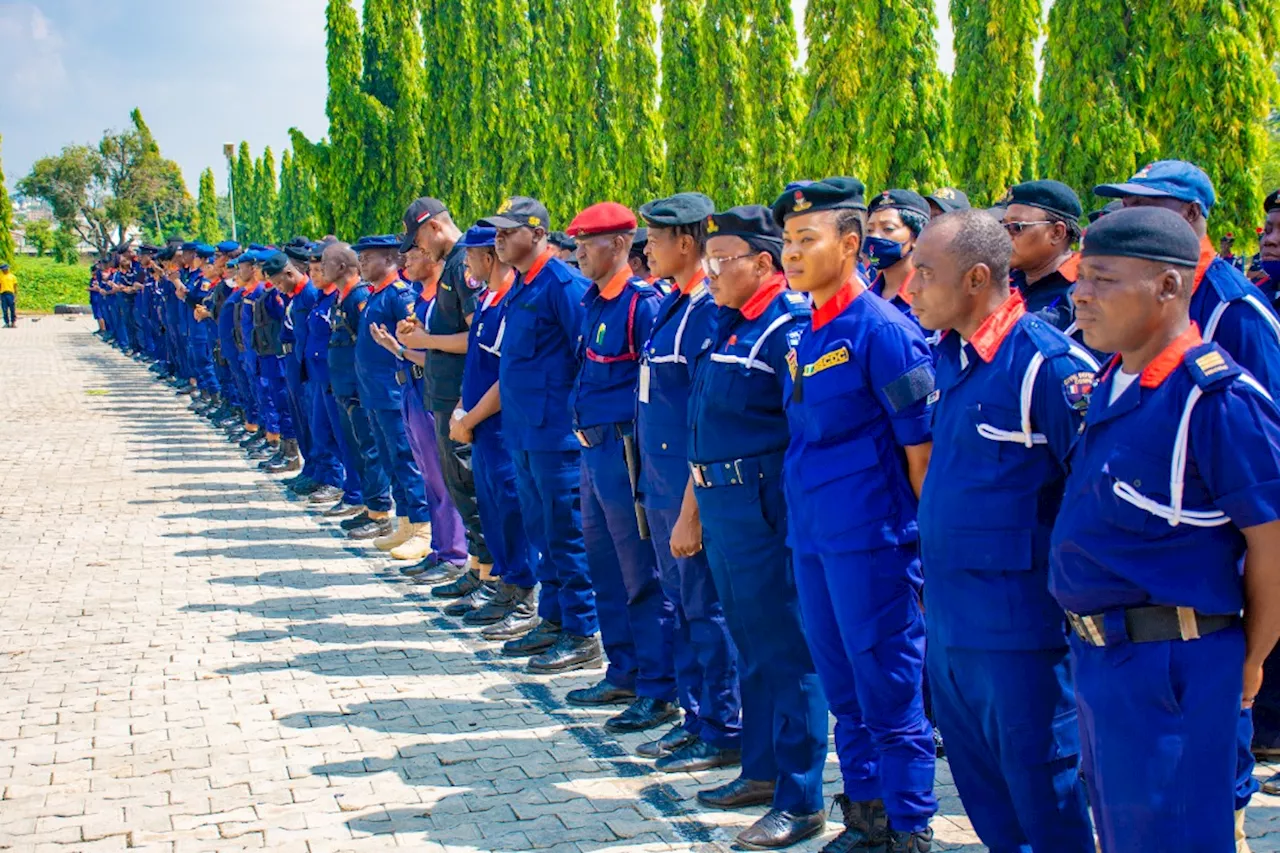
pixel 977 238
pixel 696 230
pixel 1072 225
pixel 914 220
pixel 850 220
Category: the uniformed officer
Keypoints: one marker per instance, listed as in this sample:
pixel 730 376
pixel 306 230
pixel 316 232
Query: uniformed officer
pixel 225 286
pixel 635 615
pixel 1043 219
pixel 706 666
pixel 327 434
pixel 737 438
pixel 1158 516
pixel 203 331
pixel 262 443
pixel 1268 258
pixel 946 200
pixel 390 301
pixel 300 295
pixel 443 333
pixel 637 259
pixel 342 268
pixel 269 315
pixel 537 370
pixel 477 421
pixel 895 219
pixel 857 385
pixel 246 384
pixel 1011 397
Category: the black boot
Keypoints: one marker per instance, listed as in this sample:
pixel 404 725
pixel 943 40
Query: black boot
pixel 520 620
pixel 910 842
pixel 570 652
pixel 644 713
pixel 496 608
pixel 266 450
pixel 477 598
pixel 465 584
pixel 289 459
pixel 865 825
pixel 536 641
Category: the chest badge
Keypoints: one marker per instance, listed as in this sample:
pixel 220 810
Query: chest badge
pixel 600 334
pixel 793 363
pixel 831 359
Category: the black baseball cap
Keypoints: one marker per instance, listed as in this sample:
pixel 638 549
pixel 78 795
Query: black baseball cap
pixel 419 212
pixel 519 211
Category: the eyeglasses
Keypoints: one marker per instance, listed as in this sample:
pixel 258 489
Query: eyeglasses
pixel 1016 228
pixel 714 265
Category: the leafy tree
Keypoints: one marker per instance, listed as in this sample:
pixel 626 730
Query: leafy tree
pixel 502 155
pixel 684 121
pixel 343 183
pixel 727 157
pixel 7 249
pixel 407 149
pixel 596 143
pixel 907 125
pixel 266 197
pixel 1208 91
pixel 39 235
pixel 833 142
pixel 641 175
pixel 71 183
pixel 556 92
pixel 207 229
pixel 65 246
pixel 243 191
pixel 378 34
pixel 993 95
pixel 775 90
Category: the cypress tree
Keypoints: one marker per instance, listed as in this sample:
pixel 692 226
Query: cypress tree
pixel 993 95
pixel 906 125
pixel 775 89
pixel 345 180
pixel 555 84
pixel 311 161
pixel 287 207
pixel 835 74
pixel 242 187
pixel 728 157
pixel 457 123
pixel 684 122
pixel 503 156
pixel 378 33
pixel 1208 91
pixel 596 143
pixel 435 69
pixel 264 190
pixel 7 248
pixel 641 170
pixel 1089 133
pixel 206 219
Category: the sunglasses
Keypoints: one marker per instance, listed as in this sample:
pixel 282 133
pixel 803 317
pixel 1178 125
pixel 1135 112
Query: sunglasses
pixel 1016 228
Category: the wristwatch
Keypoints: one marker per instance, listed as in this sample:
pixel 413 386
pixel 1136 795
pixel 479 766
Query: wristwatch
pixel 459 414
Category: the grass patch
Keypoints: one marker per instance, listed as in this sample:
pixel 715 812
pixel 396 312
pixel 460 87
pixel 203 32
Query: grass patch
pixel 43 284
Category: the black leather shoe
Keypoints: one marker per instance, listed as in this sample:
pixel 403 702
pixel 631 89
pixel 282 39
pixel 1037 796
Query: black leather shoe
pixel 441 572
pixel 698 755
pixel 865 825
pixel 463 585
pixel 535 642
pixel 296 480
pixel 323 495
pixel 372 529
pixel 603 693
pixel 939 748
pixel 910 842
pixel 478 597
pixel 266 450
pixel 358 520
pixel 417 568
pixel 778 829
pixel 645 713
pixel 251 438
pixel 675 739
pixel 495 609
pixel 309 488
pixel 342 509
pixel 277 458
pixel 738 794
pixel 522 618
pixel 569 652
pixel 229 421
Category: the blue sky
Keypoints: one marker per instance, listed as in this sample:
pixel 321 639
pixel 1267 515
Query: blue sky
pixel 203 72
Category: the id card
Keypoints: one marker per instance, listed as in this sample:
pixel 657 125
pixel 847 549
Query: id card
pixel 644 383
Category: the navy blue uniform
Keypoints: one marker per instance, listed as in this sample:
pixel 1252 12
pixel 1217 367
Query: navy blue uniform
pixel 344 319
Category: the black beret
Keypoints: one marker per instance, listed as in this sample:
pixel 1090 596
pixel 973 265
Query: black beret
pixel 900 200
pixel 274 263
pixel 561 240
pixel 1051 196
pixel 639 241
pixel 1150 233
pixel 298 252
pixel 679 209
pixel 1272 201
pixel 838 193
pixel 167 253
pixel 750 222
pixel 317 249
pixel 1095 215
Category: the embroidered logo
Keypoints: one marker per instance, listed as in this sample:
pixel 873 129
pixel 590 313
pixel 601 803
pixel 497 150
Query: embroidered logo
pixel 1077 387
pixel 712 227
pixel 505 206
pixel 793 362
pixel 801 203
pixel 934 397
pixel 600 335
pixel 535 221
pixel 945 192
pixel 831 359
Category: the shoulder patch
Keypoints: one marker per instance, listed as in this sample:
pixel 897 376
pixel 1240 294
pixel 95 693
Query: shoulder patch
pixel 909 388
pixel 793 337
pixel 1077 388
pixel 1210 366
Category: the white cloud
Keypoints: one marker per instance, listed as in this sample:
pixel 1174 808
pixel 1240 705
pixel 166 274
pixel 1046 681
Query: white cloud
pixel 33 72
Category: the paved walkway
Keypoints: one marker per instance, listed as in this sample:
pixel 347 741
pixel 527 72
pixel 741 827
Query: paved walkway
pixel 189 661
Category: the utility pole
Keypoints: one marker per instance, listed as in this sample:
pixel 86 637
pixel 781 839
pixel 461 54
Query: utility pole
pixel 229 151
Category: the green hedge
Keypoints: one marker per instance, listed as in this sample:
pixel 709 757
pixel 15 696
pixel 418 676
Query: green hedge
pixel 43 284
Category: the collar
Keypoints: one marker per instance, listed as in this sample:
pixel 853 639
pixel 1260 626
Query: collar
pixel 834 307
pixel 614 286
pixel 1070 269
pixel 1207 254
pixel 877 287
pixel 986 341
pixel 768 291
pixel 386 282
pixel 694 280
pixel 348 287
pixel 539 264
pixel 299 288
pixel 329 289
pixel 1168 360
pixel 428 291
pixel 503 287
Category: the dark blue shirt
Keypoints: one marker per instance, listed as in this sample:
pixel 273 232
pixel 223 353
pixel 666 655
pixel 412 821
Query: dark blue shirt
pixel 388 304
pixel 344 318
pixel 616 325
pixel 484 350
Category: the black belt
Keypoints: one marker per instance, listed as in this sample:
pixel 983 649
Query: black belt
pixel 736 472
pixel 1155 624
pixel 596 435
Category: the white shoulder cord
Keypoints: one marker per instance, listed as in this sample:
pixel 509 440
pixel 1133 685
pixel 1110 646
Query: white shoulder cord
pixel 1026 437
pixel 1211 327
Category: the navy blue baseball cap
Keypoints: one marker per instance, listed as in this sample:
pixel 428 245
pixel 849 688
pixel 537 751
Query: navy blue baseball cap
pixel 520 211
pixel 226 247
pixel 1166 179
pixel 204 250
pixel 378 241
pixel 478 237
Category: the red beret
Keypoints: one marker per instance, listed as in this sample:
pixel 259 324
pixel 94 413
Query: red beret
pixel 607 217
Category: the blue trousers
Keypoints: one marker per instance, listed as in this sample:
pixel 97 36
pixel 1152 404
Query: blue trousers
pixel 495 475
pixel 634 613
pixel 202 361
pixel 548 483
pixel 299 410
pixel 1246 784
pixel 327 446
pixel 177 349
pixel 1013 744
pixel 348 449
pixel 226 380
pixel 245 387
pixel 357 431
pixel 396 458
pixel 706 661
pixel 1159 723
pixel 784 713
pixel 271 369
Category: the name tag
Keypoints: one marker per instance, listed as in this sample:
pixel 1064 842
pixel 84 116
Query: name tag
pixel 644 383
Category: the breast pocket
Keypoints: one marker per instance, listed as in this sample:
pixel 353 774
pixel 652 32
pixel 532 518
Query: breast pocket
pixel 1144 474
pixel 837 404
pixel 985 422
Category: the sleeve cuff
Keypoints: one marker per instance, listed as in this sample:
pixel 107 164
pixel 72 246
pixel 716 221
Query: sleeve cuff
pixel 1258 504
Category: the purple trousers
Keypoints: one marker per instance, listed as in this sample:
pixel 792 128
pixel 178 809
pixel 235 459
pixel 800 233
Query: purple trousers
pixel 448 535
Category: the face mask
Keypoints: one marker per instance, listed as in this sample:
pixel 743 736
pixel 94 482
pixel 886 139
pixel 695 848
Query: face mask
pixel 882 253
pixel 1272 269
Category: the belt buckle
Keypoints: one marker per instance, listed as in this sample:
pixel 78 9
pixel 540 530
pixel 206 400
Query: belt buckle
pixel 699 475
pixel 582 438
pixel 1188 626
pixel 737 473
pixel 1088 628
